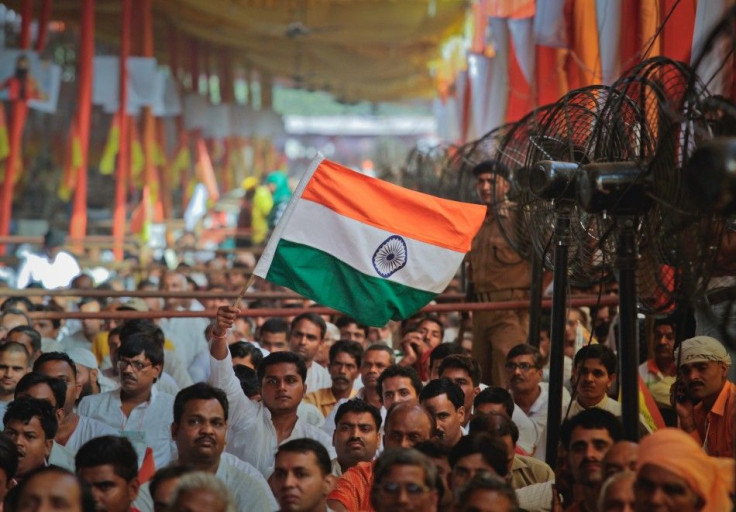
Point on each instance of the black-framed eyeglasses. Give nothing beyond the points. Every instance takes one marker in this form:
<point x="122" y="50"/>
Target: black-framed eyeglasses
<point x="137" y="366"/>
<point x="524" y="367"/>
<point x="394" y="488"/>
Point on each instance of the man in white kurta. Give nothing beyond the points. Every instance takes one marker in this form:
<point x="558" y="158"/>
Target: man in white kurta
<point x="137" y="410"/>
<point x="256" y="429"/>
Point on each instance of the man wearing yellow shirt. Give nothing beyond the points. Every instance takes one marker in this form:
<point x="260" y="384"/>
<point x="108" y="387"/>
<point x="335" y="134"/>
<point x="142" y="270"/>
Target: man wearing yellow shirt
<point x="345" y="359"/>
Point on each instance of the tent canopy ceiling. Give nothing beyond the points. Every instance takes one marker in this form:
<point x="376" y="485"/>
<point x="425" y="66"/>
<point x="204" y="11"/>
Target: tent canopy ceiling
<point x="356" y="49"/>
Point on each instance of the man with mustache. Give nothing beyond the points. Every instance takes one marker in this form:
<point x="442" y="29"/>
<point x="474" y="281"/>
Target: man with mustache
<point x="256" y="429"/>
<point x="306" y="337"/>
<point x="587" y="437"/>
<point x="444" y="400"/>
<point x="703" y="397"/>
<point x="137" y="409"/>
<point x="31" y="425"/>
<point x="345" y="359"/>
<point x="200" y="433"/>
<point x="356" y="434"/>
<point x="407" y="424"/>
<point x="659" y="372"/>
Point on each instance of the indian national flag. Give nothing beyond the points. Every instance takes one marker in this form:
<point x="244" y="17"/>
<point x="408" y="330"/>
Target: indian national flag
<point x="370" y="249"/>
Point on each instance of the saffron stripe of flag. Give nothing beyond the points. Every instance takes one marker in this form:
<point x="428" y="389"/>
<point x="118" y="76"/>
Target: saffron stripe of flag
<point x="365" y="247"/>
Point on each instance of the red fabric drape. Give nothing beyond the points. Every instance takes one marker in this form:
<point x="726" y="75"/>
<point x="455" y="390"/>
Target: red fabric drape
<point x="151" y="197"/>
<point x="19" y="112"/>
<point x="78" y="227"/>
<point x="43" y="25"/>
<point x="123" y="168"/>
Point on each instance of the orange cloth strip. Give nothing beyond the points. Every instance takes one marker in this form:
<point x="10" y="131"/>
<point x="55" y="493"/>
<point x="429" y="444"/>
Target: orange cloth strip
<point x="448" y="224"/>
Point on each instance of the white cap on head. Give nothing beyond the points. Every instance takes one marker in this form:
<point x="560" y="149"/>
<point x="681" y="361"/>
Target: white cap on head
<point x="84" y="357"/>
<point x="701" y="349"/>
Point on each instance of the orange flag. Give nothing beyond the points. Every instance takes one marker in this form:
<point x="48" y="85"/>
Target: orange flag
<point x="648" y="408"/>
<point x="205" y="171"/>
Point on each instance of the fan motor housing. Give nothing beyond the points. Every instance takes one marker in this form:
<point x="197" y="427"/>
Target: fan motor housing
<point x="554" y="180"/>
<point x="618" y="188"/>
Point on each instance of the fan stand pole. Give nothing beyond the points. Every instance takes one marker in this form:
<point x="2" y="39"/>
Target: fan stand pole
<point x="535" y="299"/>
<point x="557" y="333"/>
<point x="628" y="349"/>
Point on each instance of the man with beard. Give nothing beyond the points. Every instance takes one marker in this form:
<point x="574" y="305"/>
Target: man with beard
<point x="703" y="398"/>
<point x="301" y="479"/>
<point x="109" y="466"/>
<point x="31" y="425"/>
<point x="74" y="430"/>
<point x="345" y="359"/>
<point x="256" y="429"/>
<point x="587" y="437"/>
<point x="137" y="409"/>
<point x="356" y="435"/>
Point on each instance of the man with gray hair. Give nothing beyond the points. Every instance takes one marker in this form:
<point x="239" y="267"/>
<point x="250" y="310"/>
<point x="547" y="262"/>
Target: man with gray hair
<point x="703" y="398"/>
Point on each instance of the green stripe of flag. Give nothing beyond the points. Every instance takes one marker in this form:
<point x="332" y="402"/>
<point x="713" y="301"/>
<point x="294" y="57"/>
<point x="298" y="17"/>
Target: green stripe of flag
<point x="331" y="282"/>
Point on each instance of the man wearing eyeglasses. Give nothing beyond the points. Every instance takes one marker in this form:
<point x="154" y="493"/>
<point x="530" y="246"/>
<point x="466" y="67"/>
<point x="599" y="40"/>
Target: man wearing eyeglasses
<point x="137" y="410"/>
<point x="405" y="479"/>
<point x="524" y="381"/>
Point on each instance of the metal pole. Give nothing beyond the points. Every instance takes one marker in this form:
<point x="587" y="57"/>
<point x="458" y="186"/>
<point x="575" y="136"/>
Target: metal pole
<point x="535" y="299"/>
<point x="557" y="333"/>
<point x="628" y="332"/>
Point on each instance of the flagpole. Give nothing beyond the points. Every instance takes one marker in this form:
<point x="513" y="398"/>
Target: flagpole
<point x="239" y="299"/>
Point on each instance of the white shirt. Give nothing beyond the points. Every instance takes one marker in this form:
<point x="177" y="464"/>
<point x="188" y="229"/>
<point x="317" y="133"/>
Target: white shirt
<point x="3" y="407"/>
<point x="87" y="429"/>
<point x="251" y="434"/>
<point x="607" y="404"/>
<point x="538" y="414"/>
<point x="310" y="414"/>
<point x="61" y="456"/>
<point x="246" y="485"/>
<point x="76" y="340"/>
<point x="52" y="274"/>
<point x="528" y="433"/>
<point x="149" y="424"/>
<point x="187" y="335"/>
<point x="317" y="378"/>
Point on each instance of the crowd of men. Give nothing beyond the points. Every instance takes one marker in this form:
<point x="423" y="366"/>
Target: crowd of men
<point x="303" y="414"/>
